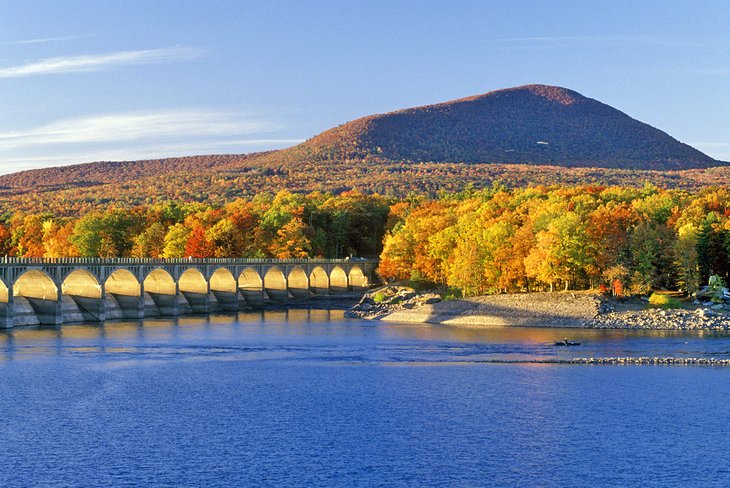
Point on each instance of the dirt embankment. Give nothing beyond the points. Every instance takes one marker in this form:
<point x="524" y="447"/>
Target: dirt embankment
<point x="560" y="309"/>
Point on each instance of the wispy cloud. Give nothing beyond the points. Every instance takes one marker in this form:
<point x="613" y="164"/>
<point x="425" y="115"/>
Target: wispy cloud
<point x="136" y="135"/>
<point x="44" y="40"/>
<point x="135" y="126"/>
<point x="99" y="62"/>
<point x="10" y="163"/>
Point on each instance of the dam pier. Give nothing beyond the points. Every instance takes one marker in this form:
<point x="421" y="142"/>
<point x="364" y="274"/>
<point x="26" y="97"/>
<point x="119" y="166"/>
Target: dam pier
<point x="53" y="291"/>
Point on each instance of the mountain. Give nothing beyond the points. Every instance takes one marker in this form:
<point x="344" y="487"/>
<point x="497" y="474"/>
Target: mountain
<point x="532" y="124"/>
<point x="528" y="135"/>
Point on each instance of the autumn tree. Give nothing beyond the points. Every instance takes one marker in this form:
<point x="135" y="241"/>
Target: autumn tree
<point x="560" y="252"/>
<point x="712" y="255"/>
<point x="291" y="241"/>
<point x="175" y="241"/>
<point x="607" y="231"/>
<point x="198" y="245"/>
<point x="6" y="242"/>
<point x="227" y="239"/>
<point x="56" y="239"/>
<point x="28" y="236"/>
<point x="686" y="256"/>
<point x="151" y="242"/>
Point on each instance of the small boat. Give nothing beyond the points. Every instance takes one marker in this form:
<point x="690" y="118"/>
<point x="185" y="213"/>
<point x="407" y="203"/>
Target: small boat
<point x="566" y="342"/>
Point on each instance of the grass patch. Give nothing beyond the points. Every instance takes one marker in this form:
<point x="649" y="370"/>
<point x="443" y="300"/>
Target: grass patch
<point x="664" y="301"/>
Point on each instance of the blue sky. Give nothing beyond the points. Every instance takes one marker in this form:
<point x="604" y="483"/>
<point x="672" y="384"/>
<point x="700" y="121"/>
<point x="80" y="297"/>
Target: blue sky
<point x="88" y="80"/>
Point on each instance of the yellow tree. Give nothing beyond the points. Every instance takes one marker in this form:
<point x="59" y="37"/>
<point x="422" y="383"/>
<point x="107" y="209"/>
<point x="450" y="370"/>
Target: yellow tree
<point x="227" y="238"/>
<point x="291" y="241"/>
<point x="56" y="241"/>
<point x="30" y="237"/>
<point x="560" y="252"/>
<point x="175" y="240"/>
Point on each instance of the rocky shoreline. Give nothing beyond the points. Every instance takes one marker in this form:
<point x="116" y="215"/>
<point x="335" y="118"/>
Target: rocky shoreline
<point x="559" y="309"/>
<point x="702" y="318"/>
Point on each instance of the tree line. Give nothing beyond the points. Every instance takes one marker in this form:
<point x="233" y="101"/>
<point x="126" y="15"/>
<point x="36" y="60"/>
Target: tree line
<point x="285" y="225"/>
<point x="490" y="240"/>
<point x="627" y="240"/>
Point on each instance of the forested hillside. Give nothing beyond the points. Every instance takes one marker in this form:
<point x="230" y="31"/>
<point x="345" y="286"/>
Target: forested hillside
<point x="386" y="178"/>
<point x="95" y="174"/>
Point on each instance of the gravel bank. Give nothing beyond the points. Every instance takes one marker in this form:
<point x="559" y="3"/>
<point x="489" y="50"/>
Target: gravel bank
<point x="560" y="309"/>
<point x="525" y="310"/>
<point x="701" y="318"/>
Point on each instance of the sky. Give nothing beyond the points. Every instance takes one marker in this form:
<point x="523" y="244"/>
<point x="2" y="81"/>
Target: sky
<point x="90" y="80"/>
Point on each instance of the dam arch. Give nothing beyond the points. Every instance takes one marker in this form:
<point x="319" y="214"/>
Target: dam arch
<point x="338" y="280"/>
<point x="6" y="314"/>
<point x="357" y="279"/>
<point x="319" y="282"/>
<point x="251" y="286"/>
<point x="84" y="289"/>
<point x="275" y="284"/>
<point x="194" y="287"/>
<point x="40" y="294"/>
<point x="298" y="282"/>
<point x="224" y="288"/>
<point x="162" y="291"/>
<point x="123" y="295"/>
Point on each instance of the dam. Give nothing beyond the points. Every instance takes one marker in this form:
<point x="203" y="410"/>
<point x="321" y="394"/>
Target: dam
<point x="53" y="291"/>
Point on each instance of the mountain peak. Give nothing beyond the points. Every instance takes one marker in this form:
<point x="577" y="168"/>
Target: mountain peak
<point x="531" y="124"/>
<point x="557" y="94"/>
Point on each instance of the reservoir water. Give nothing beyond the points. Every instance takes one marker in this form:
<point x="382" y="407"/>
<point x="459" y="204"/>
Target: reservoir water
<point x="309" y="398"/>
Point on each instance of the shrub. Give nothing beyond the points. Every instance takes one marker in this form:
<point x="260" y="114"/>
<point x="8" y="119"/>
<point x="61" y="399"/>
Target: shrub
<point x="716" y="287"/>
<point x="379" y="297"/>
<point x="664" y="301"/>
<point x="452" y="293"/>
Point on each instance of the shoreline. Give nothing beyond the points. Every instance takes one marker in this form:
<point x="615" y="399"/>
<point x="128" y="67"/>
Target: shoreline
<point x="580" y="310"/>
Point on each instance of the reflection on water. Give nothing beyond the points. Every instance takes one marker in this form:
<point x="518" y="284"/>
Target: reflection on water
<point x="325" y="335"/>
